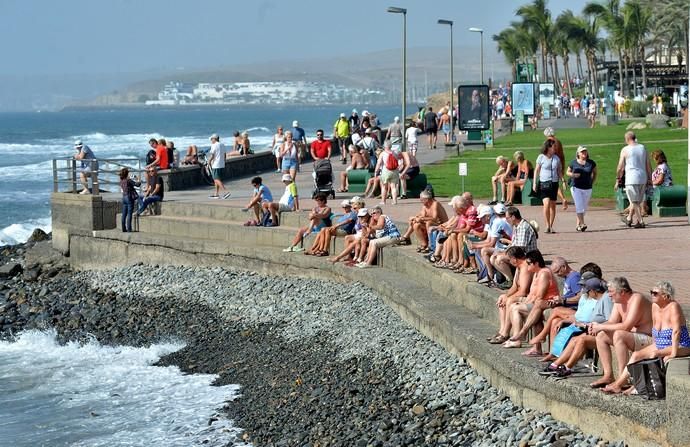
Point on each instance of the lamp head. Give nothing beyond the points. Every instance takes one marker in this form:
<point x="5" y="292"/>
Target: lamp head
<point x="476" y="30"/>
<point x="445" y="22"/>
<point x="396" y="10"/>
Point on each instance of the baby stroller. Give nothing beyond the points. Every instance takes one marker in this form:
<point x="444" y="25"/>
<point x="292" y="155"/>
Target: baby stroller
<point x="323" y="178"/>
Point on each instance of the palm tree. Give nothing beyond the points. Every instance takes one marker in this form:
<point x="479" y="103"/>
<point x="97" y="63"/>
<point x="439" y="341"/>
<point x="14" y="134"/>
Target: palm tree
<point x="638" y="20"/>
<point x="508" y="45"/>
<point x="584" y="34"/>
<point x="669" y="27"/>
<point x="610" y="16"/>
<point x="537" y="17"/>
<point x="566" y="37"/>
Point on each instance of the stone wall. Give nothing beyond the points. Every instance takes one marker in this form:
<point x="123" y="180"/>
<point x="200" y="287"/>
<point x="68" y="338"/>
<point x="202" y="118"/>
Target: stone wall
<point x="77" y="213"/>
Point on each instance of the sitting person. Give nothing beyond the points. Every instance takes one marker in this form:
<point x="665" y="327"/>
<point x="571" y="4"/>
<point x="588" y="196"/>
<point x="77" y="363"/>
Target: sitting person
<point x="408" y="171"/>
<point x="432" y="213"/>
<point x="319" y="217"/>
<point x="524" y="171"/>
<point x="518" y="290"/>
<point x="385" y="234"/>
<point x="289" y="201"/>
<point x="343" y="225"/>
<point x="444" y="230"/>
<point x="358" y="162"/>
<point x="261" y="199"/>
<point x="353" y="252"/>
<point x="524" y="235"/>
<point x="373" y="185"/>
<point x="153" y="192"/>
<point x="543" y="294"/>
<point x="498" y="230"/>
<point x="498" y="178"/>
<point x="192" y="156"/>
<point x="669" y="331"/>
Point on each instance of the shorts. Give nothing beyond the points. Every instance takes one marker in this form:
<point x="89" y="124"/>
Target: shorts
<point x="547" y="191"/>
<point x="217" y="173"/>
<point x="642" y="340"/>
<point x="635" y="193"/>
<point x="390" y="176"/>
<point x="283" y="208"/>
<point x="412" y="172"/>
<point x="341" y="232"/>
<point x="288" y="163"/>
<point x="384" y="241"/>
<point x="411" y="146"/>
<point x="432" y="130"/>
<point x="276" y="150"/>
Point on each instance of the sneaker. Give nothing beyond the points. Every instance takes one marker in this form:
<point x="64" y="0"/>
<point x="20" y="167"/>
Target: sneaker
<point x="226" y="195"/>
<point x="505" y="285"/>
<point x="639" y="225"/>
<point x="297" y="249"/>
<point x="492" y="203"/>
<point x="85" y="191"/>
<point x="278" y="171"/>
<point x="563" y="371"/>
<point x="362" y="265"/>
<point x="213" y="196"/>
<point x="484" y="280"/>
<point x="289" y="249"/>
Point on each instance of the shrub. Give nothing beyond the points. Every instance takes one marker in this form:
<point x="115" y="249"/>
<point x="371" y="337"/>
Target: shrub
<point x="640" y="108"/>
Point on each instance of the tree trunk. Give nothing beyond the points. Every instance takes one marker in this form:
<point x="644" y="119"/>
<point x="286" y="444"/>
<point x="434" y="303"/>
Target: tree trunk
<point x="514" y="70"/>
<point x="553" y="75"/>
<point x="621" y="79"/>
<point x="535" y="62"/>
<point x="545" y="71"/>
<point x="578" y="62"/>
<point x="591" y="62"/>
<point x="644" y="71"/>
<point x="566" y="73"/>
<point x="634" y="74"/>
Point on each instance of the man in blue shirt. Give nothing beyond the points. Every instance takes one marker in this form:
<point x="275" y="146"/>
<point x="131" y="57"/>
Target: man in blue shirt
<point x="571" y="278"/>
<point x="300" y="139"/>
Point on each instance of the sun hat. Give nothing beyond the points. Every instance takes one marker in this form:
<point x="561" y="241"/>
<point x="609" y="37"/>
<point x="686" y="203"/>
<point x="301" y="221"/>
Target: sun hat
<point x="345" y="203"/>
<point x="354" y="110"/>
<point x="287" y="178"/>
<point x="295" y="123"/>
<point x="594" y="284"/>
<point x="362" y="212"/>
<point x="214" y="137"/>
<point x="586" y="276"/>
<point x="499" y="208"/>
<point x="78" y="143"/>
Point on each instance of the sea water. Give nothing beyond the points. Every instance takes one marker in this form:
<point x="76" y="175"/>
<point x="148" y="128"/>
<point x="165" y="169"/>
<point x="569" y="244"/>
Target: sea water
<point x="93" y="395"/>
<point x="29" y="141"/>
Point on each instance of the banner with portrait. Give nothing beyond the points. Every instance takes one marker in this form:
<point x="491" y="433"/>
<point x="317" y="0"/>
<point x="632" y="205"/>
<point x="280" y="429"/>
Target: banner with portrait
<point x="546" y="94"/>
<point x="473" y="107"/>
<point x="523" y="98"/>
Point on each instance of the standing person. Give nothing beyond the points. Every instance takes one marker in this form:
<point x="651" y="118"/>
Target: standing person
<point x="277" y="143"/>
<point x="388" y="164"/>
<point x="583" y="173"/>
<point x="411" y="136"/>
<point x="320" y="148"/>
<point x="408" y="171"/>
<point x="217" y="162"/>
<point x="85" y="155"/>
<point x="431" y="127"/>
<point x="395" y="134"/>
<point x="370" y="144"/>
<point x="341" y="131"/>
<point x="592" y="115"/>
<point x="300" y="139"/>
<point x="444" y="124"/>
<point x="548" y="173"/>
<point x="550" y="134"/>
<point x="354" y="121"/>
<point x="288" y="153"/>
<point x="634" y="164"/>
<point x="129" y="199"/>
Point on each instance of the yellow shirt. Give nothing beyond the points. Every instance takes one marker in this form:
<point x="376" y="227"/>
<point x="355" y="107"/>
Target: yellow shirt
<point x="341" y="128"/>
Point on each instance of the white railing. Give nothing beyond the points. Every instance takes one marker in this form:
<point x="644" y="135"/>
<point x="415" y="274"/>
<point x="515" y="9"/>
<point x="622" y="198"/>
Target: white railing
<point x="103" y="172"/>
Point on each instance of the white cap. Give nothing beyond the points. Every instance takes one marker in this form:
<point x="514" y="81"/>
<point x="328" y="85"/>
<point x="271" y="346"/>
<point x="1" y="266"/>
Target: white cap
<point x="365" y="113"/>
<point x="484" y="210"/>
<point x="345" y="203"/>
<point x="287" y="178"/>
<point x="396" y="119"/>
<point x="214" y="137"/>
<point x="581" y="149"/>
<point x="499" y="208"/>
<point x="354" y="110"/>
<point x="362" y="212"/>
<point x="342" y="115"/>
<point x="78" y="143"/>
<point x="295" y="123"/>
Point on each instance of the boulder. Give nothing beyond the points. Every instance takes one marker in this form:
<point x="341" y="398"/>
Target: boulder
<point x="38" y="235"/>
<point x="636" y="125"/>
<point x="657" y="121"/>
<point x="10" y="270"/>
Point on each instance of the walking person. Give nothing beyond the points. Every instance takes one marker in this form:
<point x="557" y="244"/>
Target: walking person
<point x="217" y="162"/>
<point x="550" y="134"/>
<point x="277" y="143"/>
<point x="387" y="164"/>
<point x="431" y="127"/>
<point x="583" y="173"/>
<point x="129" y="199"/>
<point x="634" y="164"/>
<point x="548" y="174"/>
<point x="288" y="154"/>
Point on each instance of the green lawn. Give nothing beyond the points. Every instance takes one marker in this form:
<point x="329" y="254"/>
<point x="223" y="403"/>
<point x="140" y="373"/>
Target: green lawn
<point x="604" y="144"/>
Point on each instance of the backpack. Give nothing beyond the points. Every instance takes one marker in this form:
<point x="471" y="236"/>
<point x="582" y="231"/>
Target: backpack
<point x="150" y="156"/>
<point x="391" y="162"/>
<point x="266" y="220"/>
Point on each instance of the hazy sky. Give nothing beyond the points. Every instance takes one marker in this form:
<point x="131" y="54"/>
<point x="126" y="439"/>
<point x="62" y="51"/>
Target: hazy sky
<point x="48" y="37"/>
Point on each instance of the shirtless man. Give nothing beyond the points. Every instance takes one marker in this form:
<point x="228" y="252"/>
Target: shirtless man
<point x="628" y="329"/>
<point x="357" y="162"/>
<point x="432" y="213"/>
<point x="519" y="289"/>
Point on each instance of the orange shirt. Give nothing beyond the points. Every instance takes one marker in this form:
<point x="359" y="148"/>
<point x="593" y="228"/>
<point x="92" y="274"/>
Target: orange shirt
<point x="162" y="154"/>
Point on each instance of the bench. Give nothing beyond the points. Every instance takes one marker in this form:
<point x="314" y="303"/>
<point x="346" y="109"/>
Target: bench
<point x="622" y="200"/>
<point x="524" y="198"/>
<point x="357" y="180"/>
<point x="416" y="185"/>
<point x="669" y="201"/>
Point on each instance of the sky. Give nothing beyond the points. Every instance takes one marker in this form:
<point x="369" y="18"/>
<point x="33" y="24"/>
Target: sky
<point x="67" y="37"/>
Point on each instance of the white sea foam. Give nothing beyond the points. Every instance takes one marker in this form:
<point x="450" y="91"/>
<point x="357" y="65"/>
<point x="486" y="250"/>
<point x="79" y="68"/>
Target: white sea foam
<point x="18" y="233"/>
<point x="91" y="395"/>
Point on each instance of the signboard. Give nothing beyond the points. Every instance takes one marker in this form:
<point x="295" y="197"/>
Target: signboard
<point x="473" y="107"/>
<point x="519" y="121"/>
<point x="523" y="98"/>
<point x="462" y="169"/>
<point x="546" y="94"/>
<point x="525" y="72"/>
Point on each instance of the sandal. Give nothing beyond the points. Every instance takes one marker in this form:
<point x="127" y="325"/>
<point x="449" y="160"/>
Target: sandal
<point x="498" y="340"/>
<point x="471" y="271"/>
<point x="512" y="344"/>
<point x="425" y="250"/>
<point x="441" y="264"/>
<point x="404" y="241"/>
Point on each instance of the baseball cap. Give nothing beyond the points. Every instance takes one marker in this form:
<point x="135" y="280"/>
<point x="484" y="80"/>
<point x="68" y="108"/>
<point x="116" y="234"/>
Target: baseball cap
<point x="586" y="276"/>
<point x="484" y="211"/>
<point x="295" y="123"/>
<point x="362" y="212"/>
<point x="499" y="208"/>
<point x="214" y="137"/>
<point x="342" y="115"/>
<point x="354" y="110"/>
<point x="287" y="178"/>
<point x="345" y="203"/>
<point x="78" y="143"/>
<point x="581" y="149"/>
<point x="594" y="284"/>
<point x="365" y="113"/>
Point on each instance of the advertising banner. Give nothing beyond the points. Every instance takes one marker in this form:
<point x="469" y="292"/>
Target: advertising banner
<point x="473" y="107"/>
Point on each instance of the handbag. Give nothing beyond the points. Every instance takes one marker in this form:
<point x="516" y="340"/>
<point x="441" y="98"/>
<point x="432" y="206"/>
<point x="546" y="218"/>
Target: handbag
<point x="649" y="378"/>
<point x="560" y="341"/>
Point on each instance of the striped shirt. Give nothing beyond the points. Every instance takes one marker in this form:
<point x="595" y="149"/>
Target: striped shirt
<point x="524" y="236"/>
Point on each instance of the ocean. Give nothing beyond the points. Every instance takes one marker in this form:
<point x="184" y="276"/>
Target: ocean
<point x="29" y="141"/>
<point x="92" y="395"/>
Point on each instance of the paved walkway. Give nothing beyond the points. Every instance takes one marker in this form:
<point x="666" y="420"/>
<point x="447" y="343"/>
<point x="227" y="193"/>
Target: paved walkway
<point x="644" y="256"/>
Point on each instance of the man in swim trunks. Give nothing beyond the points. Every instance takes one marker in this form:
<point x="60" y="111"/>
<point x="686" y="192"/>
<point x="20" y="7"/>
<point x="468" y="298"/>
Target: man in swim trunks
<point x="431" y="126"/>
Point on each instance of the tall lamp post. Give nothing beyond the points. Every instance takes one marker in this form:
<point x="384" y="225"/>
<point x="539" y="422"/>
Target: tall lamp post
<point x="450" y="24"/>
<point x="481" y="50"/>
<point x="403" y="11"/>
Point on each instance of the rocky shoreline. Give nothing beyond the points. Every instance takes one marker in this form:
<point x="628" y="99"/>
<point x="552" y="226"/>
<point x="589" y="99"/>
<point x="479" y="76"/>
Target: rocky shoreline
<point x="320" y="363"/>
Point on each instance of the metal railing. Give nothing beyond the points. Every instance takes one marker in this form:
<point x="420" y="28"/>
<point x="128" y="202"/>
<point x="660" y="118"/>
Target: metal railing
<point x="101" y="172"/>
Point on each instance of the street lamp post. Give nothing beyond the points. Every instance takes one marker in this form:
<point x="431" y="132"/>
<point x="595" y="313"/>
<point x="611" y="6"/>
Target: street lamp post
<point x="481" y="50"/>
<point x="450" y="24"/>
<point x="403" y="11"/>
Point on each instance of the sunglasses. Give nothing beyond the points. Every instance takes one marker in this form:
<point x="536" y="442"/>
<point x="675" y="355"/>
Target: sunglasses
<point x="529" y="262"/>
<point x="654" y="292"/>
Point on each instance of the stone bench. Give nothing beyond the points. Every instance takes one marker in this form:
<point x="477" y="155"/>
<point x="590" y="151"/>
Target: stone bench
<point x="357" y="180"/>
<point x="669" y="201"/>
<point x="622" y="201"/>
<point x="523" y="196"/>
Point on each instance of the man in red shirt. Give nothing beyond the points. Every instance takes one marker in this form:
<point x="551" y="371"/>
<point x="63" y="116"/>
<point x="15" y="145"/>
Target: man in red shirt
<point x="161" y="161"/>
<point x="320" y="148"/>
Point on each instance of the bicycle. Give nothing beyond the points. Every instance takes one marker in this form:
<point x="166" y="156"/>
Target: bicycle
<point x="206" y="173"/>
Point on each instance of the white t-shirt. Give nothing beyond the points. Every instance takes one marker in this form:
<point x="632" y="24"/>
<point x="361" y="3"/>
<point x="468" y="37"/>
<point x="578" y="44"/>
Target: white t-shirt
<point x="356" y="139"/>
<point x="218" y="153"/>
<point x="411" y="134"/>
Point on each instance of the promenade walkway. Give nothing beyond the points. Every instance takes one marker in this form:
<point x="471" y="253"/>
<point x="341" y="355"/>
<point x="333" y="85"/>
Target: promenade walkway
<point x="644" y="256"/>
